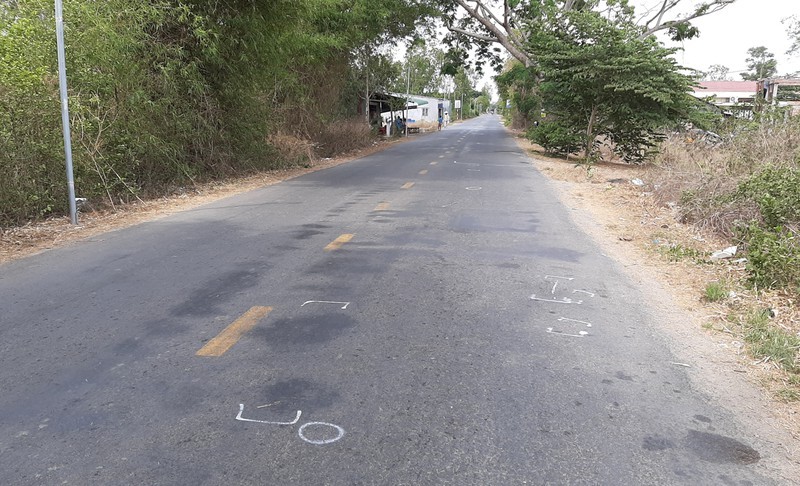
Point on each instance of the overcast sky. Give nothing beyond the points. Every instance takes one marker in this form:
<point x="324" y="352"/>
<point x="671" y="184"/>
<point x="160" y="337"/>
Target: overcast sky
<point x="726" y="35"/>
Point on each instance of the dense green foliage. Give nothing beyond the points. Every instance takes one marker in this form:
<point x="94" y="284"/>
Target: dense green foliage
<point x="520" y="85"/>
<point x="603" y="83"/>
<point x="165" y="92"/>
<point x="773" y="248"/>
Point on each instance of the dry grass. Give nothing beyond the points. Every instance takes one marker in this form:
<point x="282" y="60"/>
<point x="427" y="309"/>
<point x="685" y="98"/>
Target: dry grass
<point x="700" y="180"/>
<point x="344" y="136"/>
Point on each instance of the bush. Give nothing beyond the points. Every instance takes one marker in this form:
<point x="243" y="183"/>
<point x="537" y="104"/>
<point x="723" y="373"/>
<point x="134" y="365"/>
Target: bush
<point x="773" y="256"/>
<point x="556" y="138"/>
<point x="776" y="192"/>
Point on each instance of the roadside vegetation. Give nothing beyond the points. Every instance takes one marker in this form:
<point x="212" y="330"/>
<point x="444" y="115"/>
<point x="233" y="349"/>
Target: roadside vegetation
<point x="165" y="94"/>
<point x="746" y="191"/>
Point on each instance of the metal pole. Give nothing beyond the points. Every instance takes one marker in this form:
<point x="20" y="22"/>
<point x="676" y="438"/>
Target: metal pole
<point x="408" y="92"/>
<point x="62" y="82"/>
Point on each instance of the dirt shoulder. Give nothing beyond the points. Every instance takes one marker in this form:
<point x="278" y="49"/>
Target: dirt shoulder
<point x="656" y="252"/>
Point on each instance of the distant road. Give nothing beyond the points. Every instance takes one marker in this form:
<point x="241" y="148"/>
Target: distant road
<point x="426" y="315"/>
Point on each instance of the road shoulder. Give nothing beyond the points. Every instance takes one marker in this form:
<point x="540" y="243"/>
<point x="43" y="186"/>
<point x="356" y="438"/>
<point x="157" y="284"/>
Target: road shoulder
<point x="627" y="225"/>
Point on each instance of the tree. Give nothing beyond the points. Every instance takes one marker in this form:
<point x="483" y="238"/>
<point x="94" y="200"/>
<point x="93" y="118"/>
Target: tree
<point x="422" y="69"/>
<point x="761" y="64"/>
<point x="487" y="22"/>
<point x="520" y="85"/>
<point x="168" y="92"/>
<point x="603" y="81"/>
<point x="717" y="72"/>
<point x="793" y="31"/>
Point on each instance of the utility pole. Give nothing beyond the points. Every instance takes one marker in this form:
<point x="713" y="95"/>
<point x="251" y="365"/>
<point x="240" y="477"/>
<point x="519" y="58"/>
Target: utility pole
<point x="408" y="94"/>
<point x="366" y="91"/>
<point x="62" y="83"/>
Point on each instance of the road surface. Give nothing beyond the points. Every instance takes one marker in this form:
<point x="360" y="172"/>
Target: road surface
<point x="424" y="315"/>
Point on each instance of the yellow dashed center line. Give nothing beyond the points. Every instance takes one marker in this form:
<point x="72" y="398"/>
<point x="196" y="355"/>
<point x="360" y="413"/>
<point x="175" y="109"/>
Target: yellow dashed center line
<point x="407" y="185"/>
<point x="338" y="242"/>
<point x="423" y="172"/>
<point x="382" y="206"/>
<point x="231" y="334"/>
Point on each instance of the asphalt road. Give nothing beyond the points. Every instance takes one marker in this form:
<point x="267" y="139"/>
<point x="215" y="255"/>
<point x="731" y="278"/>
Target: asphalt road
<point x="425" y="315"/>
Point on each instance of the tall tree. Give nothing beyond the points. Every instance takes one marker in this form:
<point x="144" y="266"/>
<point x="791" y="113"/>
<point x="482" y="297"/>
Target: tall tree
<point x="761" y="64"/>
<point x="603" y="81"/>
<point x="487" y="22"/>
<point x="717" y="72"/>
<point x="793" y="31"/>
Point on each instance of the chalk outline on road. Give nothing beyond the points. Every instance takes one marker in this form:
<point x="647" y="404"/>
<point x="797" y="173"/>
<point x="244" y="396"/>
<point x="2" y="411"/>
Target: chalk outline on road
<point x="241" y="410"/>
<point x="580" y="334"/>
<point x="325" y="302"/>
<point x="339" y="431"/>
<point x="324" y="441"/>
<point x="564" y="300"/>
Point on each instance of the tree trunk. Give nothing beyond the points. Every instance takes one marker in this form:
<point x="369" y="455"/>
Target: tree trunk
<point x="590" y="134"/>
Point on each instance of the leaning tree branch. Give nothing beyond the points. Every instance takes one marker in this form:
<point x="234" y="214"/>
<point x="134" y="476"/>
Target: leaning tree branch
<point x="497" y="34"/>
<point x="474" y="35"/>
<point x="701" y="11"/>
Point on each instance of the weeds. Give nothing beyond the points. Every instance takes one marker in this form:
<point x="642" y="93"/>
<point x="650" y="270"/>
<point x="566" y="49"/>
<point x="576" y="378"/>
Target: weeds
<point x="771" y="343"/>
<point x="676" y="252"/>
<point x="748" y="189"/>
<point x="773" y="256"/>
<point x="715" y="292"/>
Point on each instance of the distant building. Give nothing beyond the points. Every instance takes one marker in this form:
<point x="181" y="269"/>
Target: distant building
<point x="422" y="112"/>
<point x="734" y="98"/>
<point x="781" y="92"/>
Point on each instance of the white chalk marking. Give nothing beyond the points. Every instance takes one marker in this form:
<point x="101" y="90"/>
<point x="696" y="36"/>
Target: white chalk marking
<point x="241" y="409"/>
<point x="556" y="276"/>
<point x="579" y="335"/>
<point x="562" y="319"/>
<point x="554" y="288"/>
<point x="474" y="188"/>
<point x="564" y="300"/>
<point x="326" y="302"/>
<point x="584" y="292"/>
<point x="339" y="433"/>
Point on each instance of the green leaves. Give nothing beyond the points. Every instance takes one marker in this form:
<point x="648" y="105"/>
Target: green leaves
<point x="761" y="63"/>
<point x="602" y="80"/>
<point x="165" y="92"/>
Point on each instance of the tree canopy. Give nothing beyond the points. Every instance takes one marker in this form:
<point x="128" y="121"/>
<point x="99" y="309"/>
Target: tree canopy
<point x="601" y="81"/>
<point x="760" y="64"/>
<point x="166" y="92"/>
<point x="483" y="23"/>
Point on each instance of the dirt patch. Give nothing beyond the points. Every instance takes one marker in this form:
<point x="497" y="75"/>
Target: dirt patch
<point x="22" y="241"/>
<point x="668" y="260"/>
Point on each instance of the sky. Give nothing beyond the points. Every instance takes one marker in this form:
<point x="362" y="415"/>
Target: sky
<point x="726" y="35"/>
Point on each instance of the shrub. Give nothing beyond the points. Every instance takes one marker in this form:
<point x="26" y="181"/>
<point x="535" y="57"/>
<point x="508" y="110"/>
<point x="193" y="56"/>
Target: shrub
<point x="773" y="256"/>
<point x="776" y="193"/>
<point x="556" y="138"/>
<point x="767" y="341"/>
<point x="715" y="292"/>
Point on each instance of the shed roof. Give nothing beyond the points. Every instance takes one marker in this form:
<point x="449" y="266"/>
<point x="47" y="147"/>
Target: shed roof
<point x="726" y="87"/>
